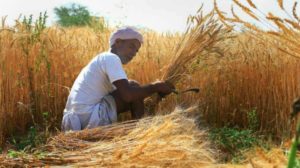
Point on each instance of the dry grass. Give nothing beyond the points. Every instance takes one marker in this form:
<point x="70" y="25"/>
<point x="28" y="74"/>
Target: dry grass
<point x="265" y="81"/>
<point x="173" y="140"/>
<point x="36" y="77"/>
<point x="203" y="38"/>
<point x="163" y="141"/>
<point x="271" y="72"/>
<point x="287" y="29"/>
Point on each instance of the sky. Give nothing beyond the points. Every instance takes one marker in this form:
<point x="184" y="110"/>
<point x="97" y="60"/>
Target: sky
<point x="159" y="15"/>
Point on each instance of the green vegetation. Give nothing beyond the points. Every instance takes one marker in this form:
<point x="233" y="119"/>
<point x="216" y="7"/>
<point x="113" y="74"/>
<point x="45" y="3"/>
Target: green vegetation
<point x="34" y="138"/>
<point x="75" y="15"/>
<point x="293" y="161"/>
<point x="13" y="153"/>
<point x="78" y="15"/>
<point x="233" y="141"/>
<point x="253" y="122"/>
<point x="23" y="154"/>
<point x="29" y="141"/>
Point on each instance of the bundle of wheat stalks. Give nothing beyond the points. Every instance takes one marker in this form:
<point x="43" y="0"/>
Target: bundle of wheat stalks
<point x="164" y="141"/>
<point x="202" y="38"/>
<point x="173" y="140"/>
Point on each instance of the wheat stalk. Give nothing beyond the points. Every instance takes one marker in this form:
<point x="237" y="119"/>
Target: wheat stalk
<point x="236" y="17"/>
<point x="245" y="9"/>
<point x="295" y="12"/>
<point x="289" y="42"/>
<point x="251" y="4"/>
<point x="222" y="18"/>
<point x="273" y="18"/>
<point x="203" y="36"/>
<point x="251" y="27"/>
<point x="294" y="24"/>
<point x="280" y="3"/>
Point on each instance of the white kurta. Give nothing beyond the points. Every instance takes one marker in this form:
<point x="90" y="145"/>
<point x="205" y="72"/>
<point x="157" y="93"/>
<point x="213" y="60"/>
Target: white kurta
<point x="89" y="104"/>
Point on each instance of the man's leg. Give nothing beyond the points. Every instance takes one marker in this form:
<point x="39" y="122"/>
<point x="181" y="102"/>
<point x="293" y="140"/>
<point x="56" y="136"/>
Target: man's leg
<point x="136" y="107"/>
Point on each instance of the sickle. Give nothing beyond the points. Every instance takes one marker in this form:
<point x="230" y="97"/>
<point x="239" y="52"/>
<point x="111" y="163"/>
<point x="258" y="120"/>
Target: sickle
<point x="195" y="90"/>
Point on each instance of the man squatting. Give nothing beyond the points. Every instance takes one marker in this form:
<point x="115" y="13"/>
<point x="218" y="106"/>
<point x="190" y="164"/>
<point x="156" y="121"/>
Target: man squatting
<point x="102" y="89"/>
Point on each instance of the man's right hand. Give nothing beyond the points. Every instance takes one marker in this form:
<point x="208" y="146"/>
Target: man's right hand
<point x="164" y="88"/>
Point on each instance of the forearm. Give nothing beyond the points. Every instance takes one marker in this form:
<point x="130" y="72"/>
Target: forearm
<point x="130" y="92"/>
<point x="141" y="92"/>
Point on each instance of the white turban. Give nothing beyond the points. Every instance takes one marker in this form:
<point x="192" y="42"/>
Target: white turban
<point x="125" y="34"/>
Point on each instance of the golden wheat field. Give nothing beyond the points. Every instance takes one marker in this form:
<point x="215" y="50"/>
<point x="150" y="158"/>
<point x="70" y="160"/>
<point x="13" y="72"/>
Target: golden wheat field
<point x="248" y="78"/>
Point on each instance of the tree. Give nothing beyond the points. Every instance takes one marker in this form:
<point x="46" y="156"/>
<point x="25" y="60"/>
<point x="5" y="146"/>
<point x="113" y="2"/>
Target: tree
<point x="75" y="15"/>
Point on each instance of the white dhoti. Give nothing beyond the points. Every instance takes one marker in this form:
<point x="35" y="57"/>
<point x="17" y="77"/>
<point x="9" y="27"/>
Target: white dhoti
<point x="103" y="113"/>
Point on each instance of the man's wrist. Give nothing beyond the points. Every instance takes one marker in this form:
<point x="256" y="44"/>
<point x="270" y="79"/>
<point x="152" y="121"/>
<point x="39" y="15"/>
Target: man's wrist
<point x="154" y="87"/>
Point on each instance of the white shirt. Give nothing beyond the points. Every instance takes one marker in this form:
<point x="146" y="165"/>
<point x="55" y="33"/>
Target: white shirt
<point x="93" y="83"/>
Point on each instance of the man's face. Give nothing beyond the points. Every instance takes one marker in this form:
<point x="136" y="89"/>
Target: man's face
<point x="127" y="49"/>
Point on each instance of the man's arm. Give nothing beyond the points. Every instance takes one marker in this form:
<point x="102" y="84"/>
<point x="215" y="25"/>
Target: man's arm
<point x="131" y="93"/>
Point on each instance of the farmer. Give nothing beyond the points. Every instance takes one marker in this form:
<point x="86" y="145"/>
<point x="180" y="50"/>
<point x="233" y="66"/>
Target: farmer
<point x="102" y="89"/>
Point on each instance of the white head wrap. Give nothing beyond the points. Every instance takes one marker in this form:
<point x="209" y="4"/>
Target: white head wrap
<point x="125" y="34"/>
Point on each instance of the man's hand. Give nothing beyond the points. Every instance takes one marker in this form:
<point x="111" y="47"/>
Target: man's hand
<point x="164" y="88"/>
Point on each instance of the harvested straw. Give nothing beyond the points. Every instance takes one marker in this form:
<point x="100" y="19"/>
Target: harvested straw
<point x="163" y="141"/>
<point x="172" y="140"/>
<point x="273" y="158"/>
<point x="261" y="159"/>
<point x="202" y="37"/>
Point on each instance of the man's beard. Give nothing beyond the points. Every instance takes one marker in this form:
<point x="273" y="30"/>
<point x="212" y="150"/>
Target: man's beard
<point x="124" y="59"/>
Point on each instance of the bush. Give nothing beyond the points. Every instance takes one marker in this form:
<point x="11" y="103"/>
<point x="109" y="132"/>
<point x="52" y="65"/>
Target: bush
<point x="233" y="141"/>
